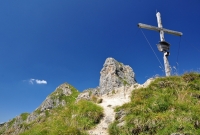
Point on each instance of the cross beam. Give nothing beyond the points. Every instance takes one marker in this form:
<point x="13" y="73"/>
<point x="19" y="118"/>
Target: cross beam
<point x="162" y="31"/>
<point x="149" y="27"/>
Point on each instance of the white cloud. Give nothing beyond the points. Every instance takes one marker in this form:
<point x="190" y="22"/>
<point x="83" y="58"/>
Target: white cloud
<point x="37" y="81"/>
<point x="41" y="81"/>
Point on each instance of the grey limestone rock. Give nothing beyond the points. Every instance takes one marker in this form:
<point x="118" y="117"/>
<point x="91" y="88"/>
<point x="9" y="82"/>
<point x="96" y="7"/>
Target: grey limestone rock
<point x="65" y="89"/>
<point x="13" y="125"/>
<point x="32" y="117"/>
<point x="119" y="116"/>
<point x="83" y="95"/>
<point x="47" y="104"/>
<point x="87" y="94"/>
<point x="114" y="75"/>
<point x="18" y="120"/>
<point x="16" y="125"/>
<point x="52" y="101"/>
<point x="108" y="119"/>
<point x="121" y="124"/>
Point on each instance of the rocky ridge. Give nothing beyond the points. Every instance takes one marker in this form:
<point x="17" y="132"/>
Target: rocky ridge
<point x="55" y="99"/>
<point x="52" y="101"/>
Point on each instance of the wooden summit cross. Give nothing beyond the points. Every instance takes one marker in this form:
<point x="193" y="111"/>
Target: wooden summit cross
<point x="163" y="46"/>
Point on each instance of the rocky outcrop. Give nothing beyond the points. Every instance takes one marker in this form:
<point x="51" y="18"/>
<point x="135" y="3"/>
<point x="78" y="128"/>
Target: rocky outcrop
<point x="114" y="75"/>
<point x="88" y="93"/>
<point x="91" y="94"/>
<point x="14" y="126"/>
<point x="33" y="116"/>
<point x="55" y="99"/>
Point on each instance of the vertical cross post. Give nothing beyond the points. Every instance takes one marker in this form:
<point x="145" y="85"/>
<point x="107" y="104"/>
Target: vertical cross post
<point x="166" y="54"/>
<point x="164" y="46"/>
<point x="160" y="26"/>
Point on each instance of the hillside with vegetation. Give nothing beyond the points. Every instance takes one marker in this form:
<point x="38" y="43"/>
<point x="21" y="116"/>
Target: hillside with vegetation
<point x="168" y="106"/>
<point x="69" y="118"/>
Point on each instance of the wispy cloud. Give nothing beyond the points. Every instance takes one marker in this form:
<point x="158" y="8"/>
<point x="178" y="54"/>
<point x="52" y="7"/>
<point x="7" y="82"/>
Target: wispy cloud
<point x="37" y="81"/>
<point x="31" y="81"/>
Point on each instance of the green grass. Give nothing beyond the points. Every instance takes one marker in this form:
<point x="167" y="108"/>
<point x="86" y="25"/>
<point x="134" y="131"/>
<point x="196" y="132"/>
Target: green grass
<point x="72" y="119"/>
<point x="24" y="116"/>
<point x="58" y="94"/>
<point x="168" y="105"/>
<point x="10" y="123"/>
<point x="2" y="130"/>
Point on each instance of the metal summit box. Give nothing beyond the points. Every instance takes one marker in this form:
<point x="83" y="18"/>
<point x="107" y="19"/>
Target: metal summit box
<point x="163" y="46"/>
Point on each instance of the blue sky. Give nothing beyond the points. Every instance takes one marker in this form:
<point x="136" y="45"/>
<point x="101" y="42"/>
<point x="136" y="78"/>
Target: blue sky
<point x="57" y="41"/>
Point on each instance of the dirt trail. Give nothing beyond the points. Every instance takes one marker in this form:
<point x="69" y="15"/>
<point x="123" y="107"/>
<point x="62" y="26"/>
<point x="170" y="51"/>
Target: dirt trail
<point x="110" y="101"/>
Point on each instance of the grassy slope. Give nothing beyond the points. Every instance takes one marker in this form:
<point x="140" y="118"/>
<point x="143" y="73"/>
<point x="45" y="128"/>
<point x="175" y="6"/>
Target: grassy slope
<point x="168" y="105"/>
<point x="72" y="119"/>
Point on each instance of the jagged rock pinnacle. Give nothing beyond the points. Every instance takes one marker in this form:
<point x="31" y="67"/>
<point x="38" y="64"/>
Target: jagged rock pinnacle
<point x="114" y="75"/>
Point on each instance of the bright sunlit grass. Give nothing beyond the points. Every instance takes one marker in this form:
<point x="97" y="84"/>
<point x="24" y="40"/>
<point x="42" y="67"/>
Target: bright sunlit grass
<point x="168" y="105"/>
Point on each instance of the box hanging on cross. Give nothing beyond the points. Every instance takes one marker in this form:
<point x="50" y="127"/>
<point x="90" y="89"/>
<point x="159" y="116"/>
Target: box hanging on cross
<point x="163" y="46"/>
